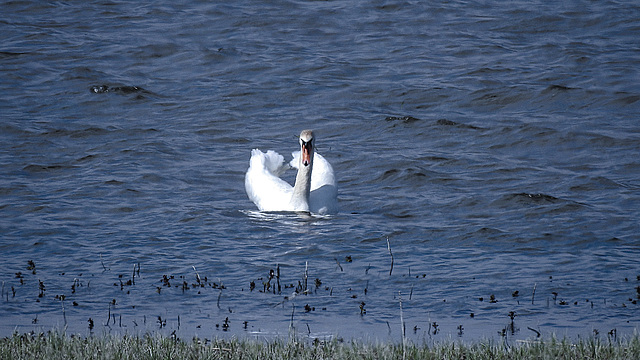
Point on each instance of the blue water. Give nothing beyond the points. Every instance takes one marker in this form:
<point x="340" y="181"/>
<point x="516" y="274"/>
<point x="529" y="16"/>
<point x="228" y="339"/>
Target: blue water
<point x="495" y="146"/>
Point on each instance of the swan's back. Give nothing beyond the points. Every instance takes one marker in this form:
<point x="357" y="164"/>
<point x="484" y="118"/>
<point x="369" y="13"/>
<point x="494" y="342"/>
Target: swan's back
<point x="263" y="184"/>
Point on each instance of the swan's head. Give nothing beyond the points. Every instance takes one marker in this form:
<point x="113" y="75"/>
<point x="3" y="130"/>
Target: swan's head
<point x="306" y="147"/>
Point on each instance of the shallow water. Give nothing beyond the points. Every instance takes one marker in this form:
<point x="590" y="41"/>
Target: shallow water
<point x="495" y="147"/>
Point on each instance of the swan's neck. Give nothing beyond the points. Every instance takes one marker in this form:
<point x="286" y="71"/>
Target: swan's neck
<point x="302" y="188"/>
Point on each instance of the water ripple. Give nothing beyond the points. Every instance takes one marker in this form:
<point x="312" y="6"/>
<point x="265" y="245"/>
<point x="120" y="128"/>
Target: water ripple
<point x="494" y="147"/>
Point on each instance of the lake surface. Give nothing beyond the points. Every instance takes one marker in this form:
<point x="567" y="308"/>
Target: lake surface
<point x="487" y="157"/>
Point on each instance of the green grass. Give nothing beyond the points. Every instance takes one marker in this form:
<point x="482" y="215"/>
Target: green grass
<point x="55" y="345"/>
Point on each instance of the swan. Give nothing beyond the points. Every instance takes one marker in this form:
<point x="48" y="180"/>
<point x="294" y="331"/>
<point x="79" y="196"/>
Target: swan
<point x="315" y="189"/>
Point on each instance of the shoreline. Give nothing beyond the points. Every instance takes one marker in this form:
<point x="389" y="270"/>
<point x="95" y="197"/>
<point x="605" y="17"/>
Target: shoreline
<point x="57" y="345"/>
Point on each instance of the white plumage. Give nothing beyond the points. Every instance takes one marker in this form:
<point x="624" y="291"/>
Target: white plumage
<point x="315" y="189"/>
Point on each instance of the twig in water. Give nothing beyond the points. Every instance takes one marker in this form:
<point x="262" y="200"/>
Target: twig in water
<point x="534" y="330"/>
<point x="293" y="309"/>
<point x="102" y="262"/>
<point x="389" y="247"/>
<point x="278" y="277"/>
<point x="404" y="337"/>
<point x="133" y="276"/>
<point x="534" y="292"/>
<point x="306" y="275"/>
<point x="338" y="262"/>
<point x="197" y="275"/>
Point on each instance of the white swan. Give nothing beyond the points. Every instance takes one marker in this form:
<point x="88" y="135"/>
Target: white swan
<point x="315" y="189"/>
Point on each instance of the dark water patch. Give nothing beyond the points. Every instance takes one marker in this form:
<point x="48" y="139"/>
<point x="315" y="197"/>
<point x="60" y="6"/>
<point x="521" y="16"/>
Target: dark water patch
<point x="484" y="71"/>
<point x="56" y="132"/>
<point x="403" y="176"/>
<point x="489" y="233"/>
<point x="88" y="132"/>
<point x="77" y="133"/>
<point x="508" y="96"/>
<point x="153" y="178"/>
<point x="625" y="99"/>
<point x="569" y="98"/>
<point x="403" y="119"/>
<point x="153" y="51"/>
<point x="237" y="140"/>
<point x="400" y="214"/>
<point x="11" y="54"/>
<point x="124" y="210"/>
<point x="597" y="183"/>
<point x="114" y="182"/>
<point x="36" y="168"/>
<point x="439" y="122"/>
<point x="141" y="93"/>
<point x="87" y="158"/>
<point x="526" y="136"/>
<point x="557" y="88"/>
<point x="9" y="129"/>
<point x="83" y="73"/>
<point x="436" y="160"/>
<point x="36" y="208"/>
<point x="614" y="240"/>
<point x="130" y="191"/>
<point x="564" y="208"/>
<point x="446" y="122"/>
<point x="601" y="140"/>
<point x="529" y="198"/>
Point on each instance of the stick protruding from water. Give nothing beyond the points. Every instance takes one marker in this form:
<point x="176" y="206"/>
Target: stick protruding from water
<point x="403" y="328"/>
<point x="390" y="253"/>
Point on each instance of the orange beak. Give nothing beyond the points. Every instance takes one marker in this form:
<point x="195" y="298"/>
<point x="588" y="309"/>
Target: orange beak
<point x="306" y="153"/>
